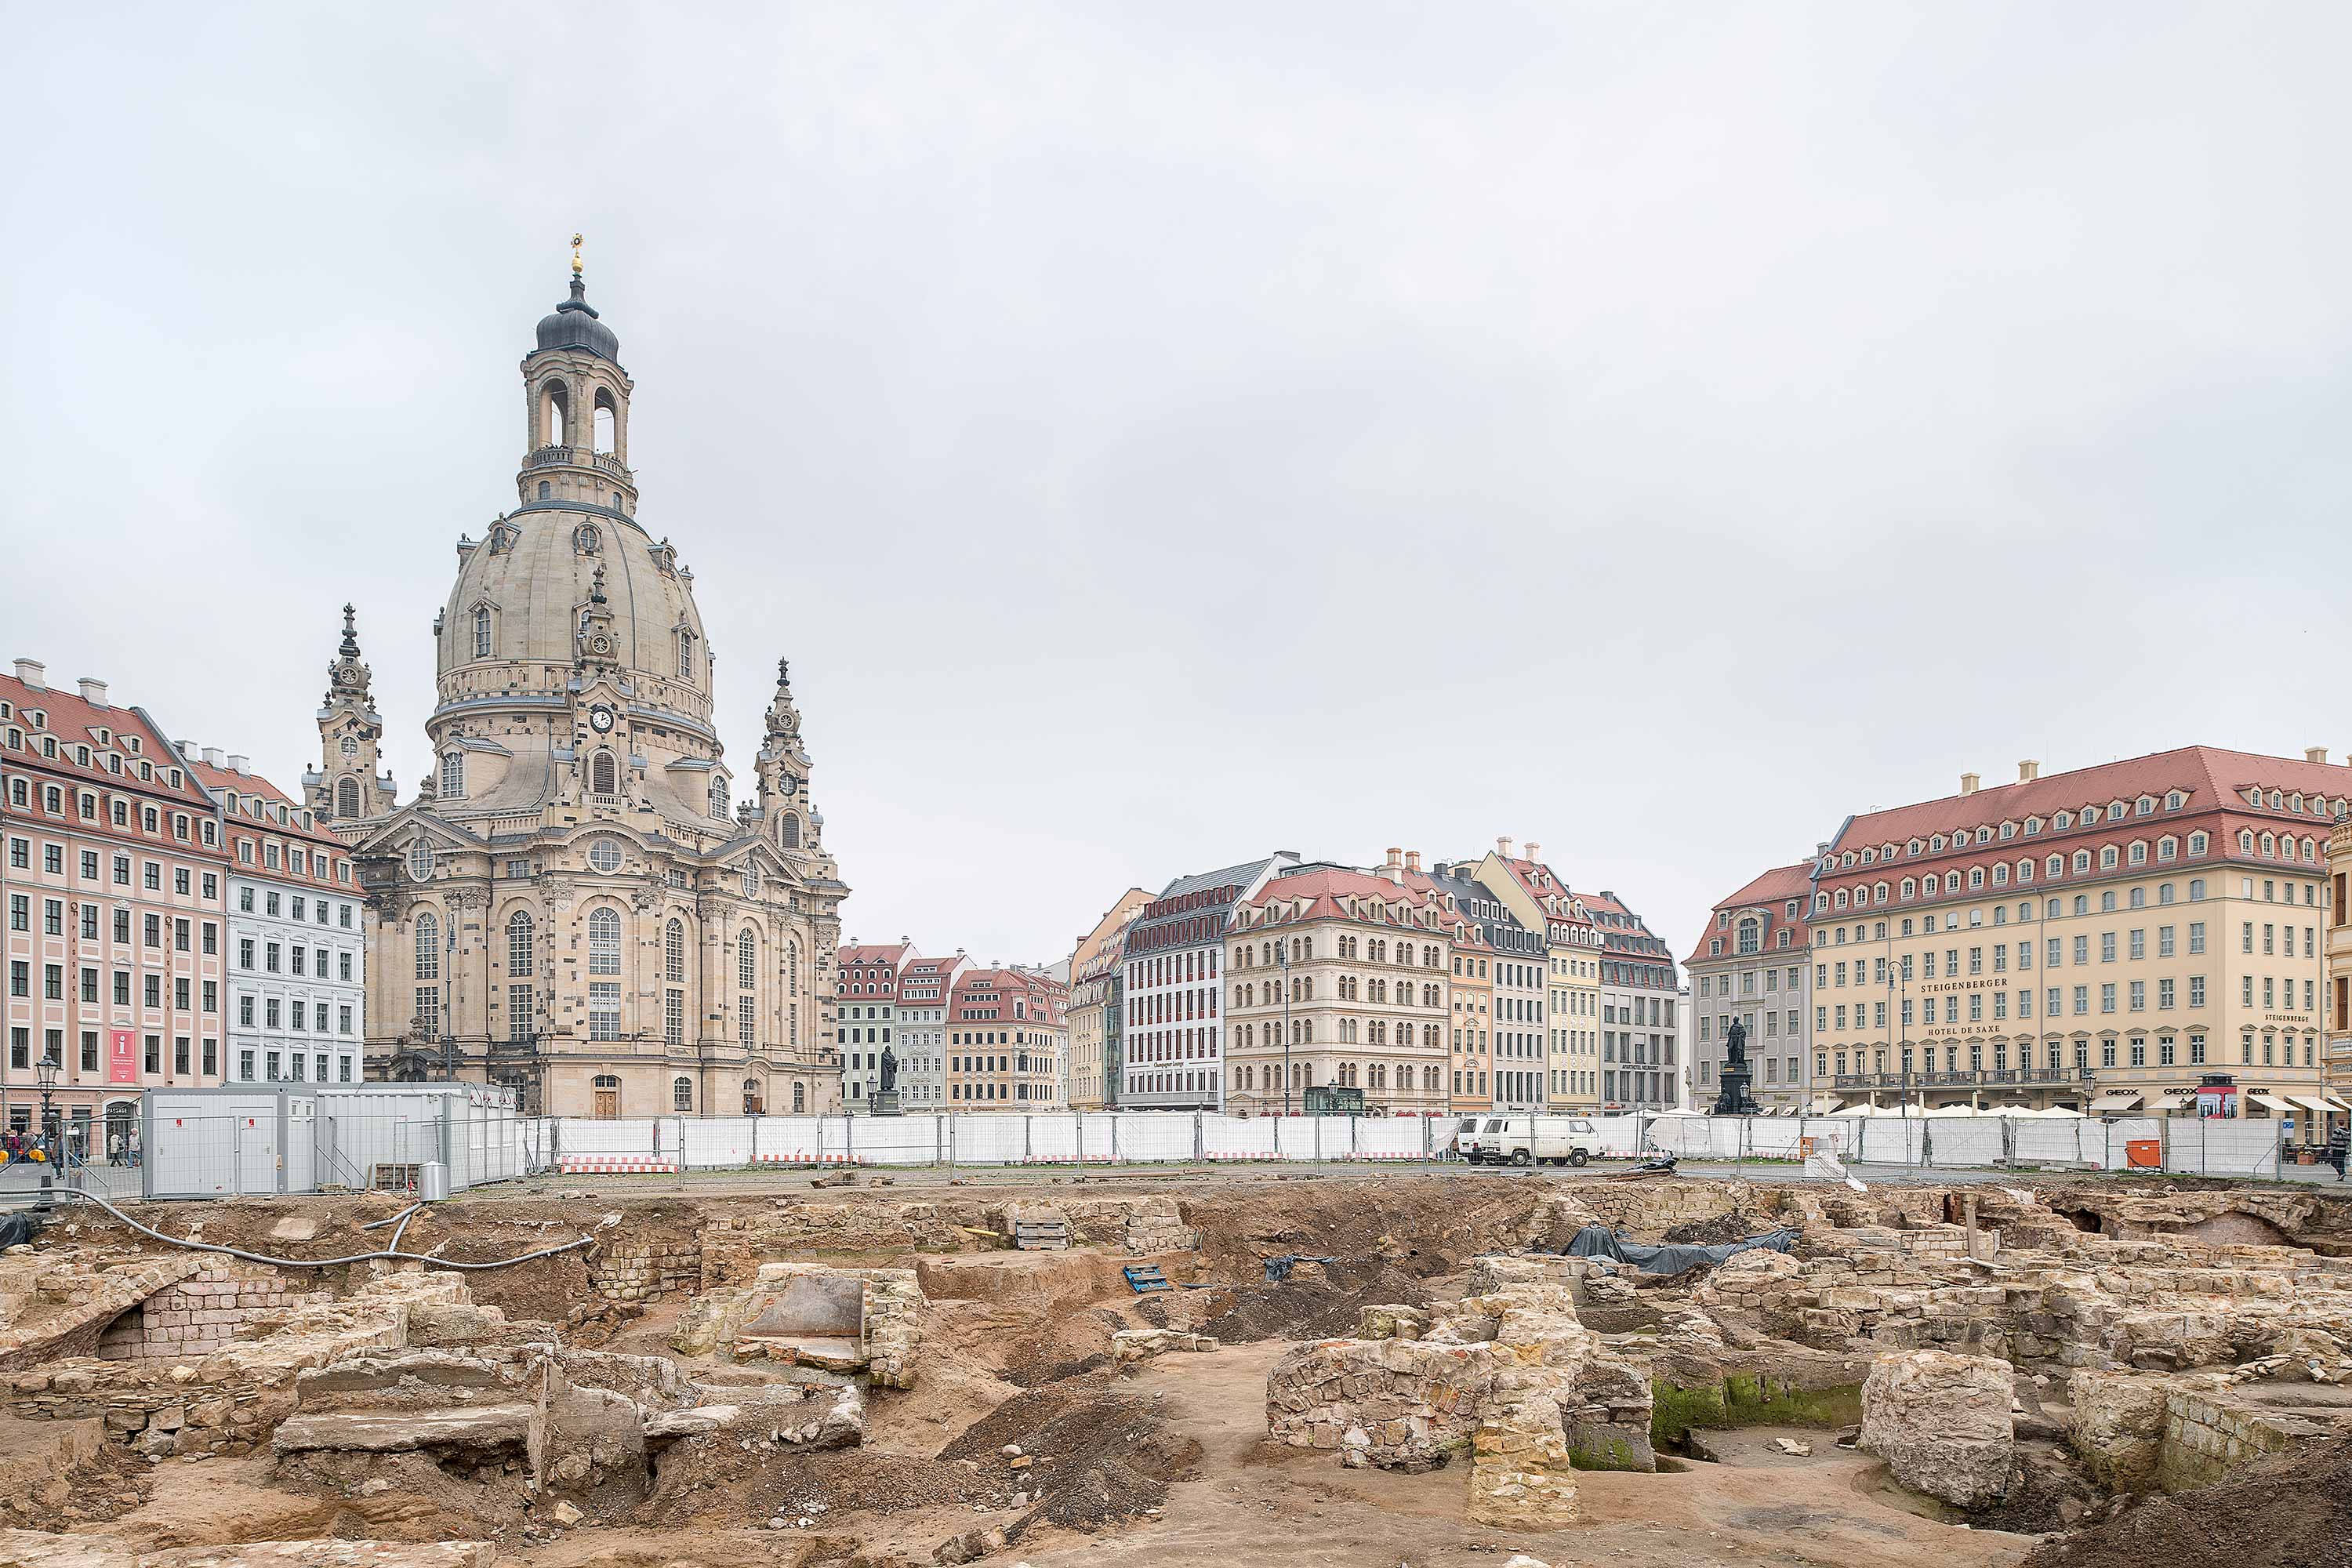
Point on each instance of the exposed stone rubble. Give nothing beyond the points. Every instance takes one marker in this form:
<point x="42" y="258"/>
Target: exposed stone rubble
<point x="1511" y="1378"/>
<point x="865" y="1321"/>
<point x="1941" y="1423"/>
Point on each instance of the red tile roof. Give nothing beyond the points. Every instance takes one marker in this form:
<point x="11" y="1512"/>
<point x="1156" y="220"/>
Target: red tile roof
<point x="1323" y="889"/>
<point x="2210" y="777"/>
<point x="1768" y="892"/>
<point x="77" y="722"/>
<point x="248" y="787"/>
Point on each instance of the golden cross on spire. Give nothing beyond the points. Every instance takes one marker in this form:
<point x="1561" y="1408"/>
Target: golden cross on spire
<point x="575" y="256"/>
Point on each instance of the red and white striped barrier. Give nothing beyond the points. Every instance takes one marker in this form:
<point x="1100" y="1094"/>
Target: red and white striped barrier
<point x="809" y="1160"/>
<point x="614" y="1164"/>
<point x="1055" y="1160"/>
<point x="1383" y="1154"/>
<point x="1260" y="1155"/>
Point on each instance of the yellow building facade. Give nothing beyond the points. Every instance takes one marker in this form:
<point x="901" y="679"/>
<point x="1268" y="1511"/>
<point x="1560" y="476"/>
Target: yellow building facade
<point x="2141" y="937"/>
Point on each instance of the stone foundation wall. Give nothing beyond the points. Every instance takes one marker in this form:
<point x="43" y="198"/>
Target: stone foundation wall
<point x="2206" y="1437"/>
<point x="646" y="1270"/>
<point x="202" y="1312"/>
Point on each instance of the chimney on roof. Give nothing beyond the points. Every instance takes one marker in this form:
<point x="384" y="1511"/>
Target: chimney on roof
<point x="1412" y="861"/>
<point x="1503" y="847"/>
<point x="93" y="691"/>
<point x="2314" y="753"/>
<point x="1395" y="873"/>
<point x="1535" y="850"/>
<point x="1968" y="783"/>
<point x="2028" y="771"/>
<point x="237" y="764"/>
<point x="1395" y="859"/>
<point x="33" y="673"/>
<point x="212" y="756"/>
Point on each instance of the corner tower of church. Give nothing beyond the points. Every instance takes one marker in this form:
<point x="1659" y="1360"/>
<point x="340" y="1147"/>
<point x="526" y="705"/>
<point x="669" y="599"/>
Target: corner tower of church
<point x="573" y="904"/>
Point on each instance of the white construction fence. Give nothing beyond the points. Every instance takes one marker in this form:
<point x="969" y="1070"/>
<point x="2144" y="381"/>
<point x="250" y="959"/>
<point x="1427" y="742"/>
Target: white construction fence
<point x="673" y="1145"/>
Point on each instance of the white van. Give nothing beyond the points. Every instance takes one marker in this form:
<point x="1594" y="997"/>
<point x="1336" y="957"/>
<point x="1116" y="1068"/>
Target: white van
<point x="1533" y="1139"/>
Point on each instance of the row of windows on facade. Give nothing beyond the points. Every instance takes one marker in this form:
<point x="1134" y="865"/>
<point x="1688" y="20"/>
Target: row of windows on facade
<point x="270" y="1069"/>
<point x="316" y="1012"/>
<point x="53" y="1047"/>
<point x="2275" y="993"/>
<point x="2136" y="898"/>
<point x="1348" y="987"/>
<point x="150" y="872"/>
<point x="2277" y="940"/>
<point x="111" y="809"/>
<point x="1364" y="949"/>
<point x="312" y="909"/>
<point x="1350" y="1031"/>
<point x="1644" y="1086"/>
<point x="2132" y="1051"/>
<point x="2110" y="858"/>
<point x="606" y="1088"/>
<point x="293" y="859"/>
<point x="604" y="855"/>
<point x="53" y="924"/>
<point x="53" y="987"/>
<point x="294" y="955"/>
<point x="604" y="949"/>
<point x="486" y="625"/>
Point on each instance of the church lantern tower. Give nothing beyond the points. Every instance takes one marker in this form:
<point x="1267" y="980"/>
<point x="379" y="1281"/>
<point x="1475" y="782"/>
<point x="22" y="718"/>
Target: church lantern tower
<point x="348" y="788"/>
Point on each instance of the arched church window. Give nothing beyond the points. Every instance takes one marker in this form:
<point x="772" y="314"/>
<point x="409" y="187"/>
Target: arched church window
<point x="420" y="859"/>
<point x="521" y="940"/>
<point x="605" y="942"/>
<point x="347" y="797"/>
<point x="603" y="774"/>
<point x="747" y="959"/>
<point x="792" y="832"/>
<point x="674" y="950"/>
<point x="605" y="420"/>
<point x="481" y="631"/>
<point x="453" y="775"/>
<point x="800" y="1098"/>
<point x="586" y="538"/>
<point x="792" y="969"/>
<point x="545" y="489"/>
<point x="718" y="798"/>
<point x="755" y="1099"/>
<point x="685" y="656"/>
<point x="428" y="948"/>
<point x="681" y="1094"/>
<point x="751" y="881"/>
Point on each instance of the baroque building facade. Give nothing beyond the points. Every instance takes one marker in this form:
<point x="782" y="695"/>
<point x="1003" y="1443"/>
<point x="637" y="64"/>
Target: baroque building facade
<point x="573" y="905"/>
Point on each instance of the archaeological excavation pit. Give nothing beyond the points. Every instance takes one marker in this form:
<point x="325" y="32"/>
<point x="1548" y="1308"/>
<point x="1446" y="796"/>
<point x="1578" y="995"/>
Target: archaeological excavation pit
<point x="1415" y="1368"/>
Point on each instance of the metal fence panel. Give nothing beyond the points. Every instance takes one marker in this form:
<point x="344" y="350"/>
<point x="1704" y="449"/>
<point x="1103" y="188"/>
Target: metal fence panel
<point x="1221" y="1137"/>
<point x="1955" y="1141"/>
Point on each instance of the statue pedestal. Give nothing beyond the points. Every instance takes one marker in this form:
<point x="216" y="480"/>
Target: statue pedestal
<point x="1735" y="1099"/>
<point x="882" y="1102"/>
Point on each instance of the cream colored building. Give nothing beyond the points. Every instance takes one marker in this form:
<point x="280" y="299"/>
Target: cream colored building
<point x="575" y="905"/>
<point x="1540" y="900"/>
<point x="2108" y="939"/>
<point x="1353" y="971"/>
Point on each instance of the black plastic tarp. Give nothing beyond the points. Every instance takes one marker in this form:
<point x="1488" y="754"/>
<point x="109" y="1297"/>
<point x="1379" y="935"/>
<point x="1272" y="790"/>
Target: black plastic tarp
<point x="1667" y="1258"/>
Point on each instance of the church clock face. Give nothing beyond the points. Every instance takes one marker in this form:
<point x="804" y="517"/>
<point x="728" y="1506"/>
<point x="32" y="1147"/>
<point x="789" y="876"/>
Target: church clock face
<point x="600" y="719"/>
<point x="351" y="747"/>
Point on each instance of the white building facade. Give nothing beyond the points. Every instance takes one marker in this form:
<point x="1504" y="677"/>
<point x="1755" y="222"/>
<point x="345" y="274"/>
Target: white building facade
<point x="1173" y="1028"/>
<point x="296" y="936"/>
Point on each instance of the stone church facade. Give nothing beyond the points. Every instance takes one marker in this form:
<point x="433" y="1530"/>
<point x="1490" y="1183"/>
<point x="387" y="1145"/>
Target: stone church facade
<point x="574" y="905"/>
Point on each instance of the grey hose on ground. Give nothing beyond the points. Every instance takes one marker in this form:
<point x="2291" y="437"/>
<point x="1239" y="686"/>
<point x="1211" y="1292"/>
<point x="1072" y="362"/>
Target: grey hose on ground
<point x="323" y="1262"/>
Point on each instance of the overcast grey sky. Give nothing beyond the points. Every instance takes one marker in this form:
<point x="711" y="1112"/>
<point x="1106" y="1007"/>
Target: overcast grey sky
<point x="1158" y="435"/>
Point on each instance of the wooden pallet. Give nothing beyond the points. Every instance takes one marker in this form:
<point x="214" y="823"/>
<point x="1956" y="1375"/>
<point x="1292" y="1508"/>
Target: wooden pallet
<point x="1144" y="1278"/>
<point x="1042" y="1236"/>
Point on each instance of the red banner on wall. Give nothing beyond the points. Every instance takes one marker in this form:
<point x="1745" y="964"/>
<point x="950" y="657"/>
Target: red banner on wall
<point x="121" y="1057"/>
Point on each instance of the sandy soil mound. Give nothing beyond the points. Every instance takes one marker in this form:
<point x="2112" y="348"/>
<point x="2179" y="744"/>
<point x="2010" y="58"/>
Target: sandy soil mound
<point x="1304" y="1306"/>
<point x="2287" y="1512"/>
<point x="1095" y="1456"/>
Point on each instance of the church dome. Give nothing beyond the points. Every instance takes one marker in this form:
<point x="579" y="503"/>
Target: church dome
<point x="519" y="595"/>
<point x="574" y="325"/>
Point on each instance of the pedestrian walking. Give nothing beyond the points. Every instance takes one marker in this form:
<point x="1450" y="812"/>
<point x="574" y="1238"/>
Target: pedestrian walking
<point x="2339" y="1144"/>
<point x="114" y="1148"/>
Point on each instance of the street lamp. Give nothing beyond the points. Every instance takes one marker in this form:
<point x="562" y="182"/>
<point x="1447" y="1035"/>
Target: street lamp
<point x="1282" y="956"/>
<point x="46" y="1074"/>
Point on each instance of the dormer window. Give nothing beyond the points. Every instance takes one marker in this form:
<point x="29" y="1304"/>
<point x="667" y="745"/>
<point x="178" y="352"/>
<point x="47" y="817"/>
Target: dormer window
<point x="2174" y="801"/>
<point x="2063" y="820"/>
